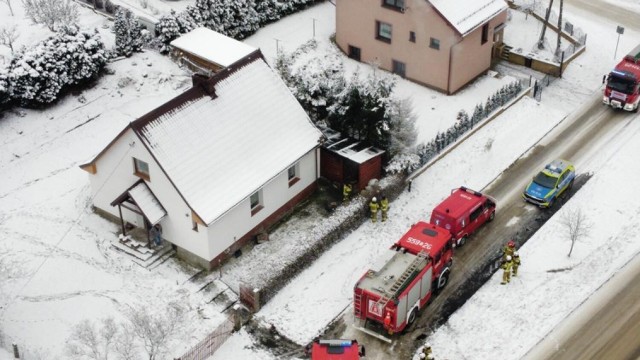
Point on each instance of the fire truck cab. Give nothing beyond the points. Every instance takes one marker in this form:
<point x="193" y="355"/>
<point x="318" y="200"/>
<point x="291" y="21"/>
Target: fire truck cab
<point x="388" y="297"/>
<point x="622" y="90"/>
<point x="463" y="212"/>
<point x="336" y="350"/>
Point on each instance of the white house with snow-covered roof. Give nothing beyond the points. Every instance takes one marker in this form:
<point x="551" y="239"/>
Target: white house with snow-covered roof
<point x="214" y="166"/>
<point x="443" y="44"/>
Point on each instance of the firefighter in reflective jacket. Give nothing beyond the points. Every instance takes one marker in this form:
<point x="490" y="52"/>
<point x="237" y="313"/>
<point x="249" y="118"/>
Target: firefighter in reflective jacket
<point x="508" y="249"/>
<point x="384" y="207"/>
<point x="516" y="263"/>
<point x="346" y="191"/>
<point x="373" y="206"/>
<point x="506" y="266"/>
<point x="387" y="323"/>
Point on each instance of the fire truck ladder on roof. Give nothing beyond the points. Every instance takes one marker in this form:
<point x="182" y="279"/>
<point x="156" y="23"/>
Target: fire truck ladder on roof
<point x="386" y="295"/>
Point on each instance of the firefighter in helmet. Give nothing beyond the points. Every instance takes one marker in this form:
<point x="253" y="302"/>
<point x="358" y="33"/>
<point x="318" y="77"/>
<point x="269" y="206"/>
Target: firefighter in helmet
<point x="509" y="249"/>
<point x="506" y="266"/>
<point x="346" y="191"/>
<point x="426" y="350"/>
<point x="374" y="206"/>
<point x="516" y="263"/>
<point x="384" y="207"/>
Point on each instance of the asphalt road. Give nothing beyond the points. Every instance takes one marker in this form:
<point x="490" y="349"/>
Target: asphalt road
<point x="606" y="326"/>
<point x="609" y="10"/>
<point x="590" y="129"/>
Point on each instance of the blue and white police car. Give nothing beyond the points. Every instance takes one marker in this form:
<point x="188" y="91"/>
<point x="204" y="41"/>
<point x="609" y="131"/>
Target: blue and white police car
<point x="550" y="183"/>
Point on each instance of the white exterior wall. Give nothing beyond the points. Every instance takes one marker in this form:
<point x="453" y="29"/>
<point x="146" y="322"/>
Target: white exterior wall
<point x="238" y="221"/>
<point x="115" y="170"/>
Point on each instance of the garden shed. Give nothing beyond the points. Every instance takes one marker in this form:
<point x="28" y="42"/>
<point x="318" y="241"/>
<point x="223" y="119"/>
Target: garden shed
<point x="347" y="160"/>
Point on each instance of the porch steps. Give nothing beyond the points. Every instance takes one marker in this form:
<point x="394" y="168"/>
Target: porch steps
<point x="141" y="254"/>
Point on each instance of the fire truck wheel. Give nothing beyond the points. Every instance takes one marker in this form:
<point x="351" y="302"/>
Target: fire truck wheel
<point x="443" y="279"/>
<point x="412" y="316"/>
<point x="463" y="240"/>
<point x="492" y="216"/>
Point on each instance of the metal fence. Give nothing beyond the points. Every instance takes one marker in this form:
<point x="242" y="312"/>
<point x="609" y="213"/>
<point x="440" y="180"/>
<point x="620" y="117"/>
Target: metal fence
<point x="205" y="348"/>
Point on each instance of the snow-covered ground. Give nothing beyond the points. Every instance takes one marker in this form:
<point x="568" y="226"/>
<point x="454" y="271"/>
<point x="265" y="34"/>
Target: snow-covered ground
<point x="62" y="269"/>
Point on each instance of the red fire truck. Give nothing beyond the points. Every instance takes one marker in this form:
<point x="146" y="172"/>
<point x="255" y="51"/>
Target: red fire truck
<point x="622" y="89"/>
<point x="336" y="350"/>
<point x="388" y="297"/>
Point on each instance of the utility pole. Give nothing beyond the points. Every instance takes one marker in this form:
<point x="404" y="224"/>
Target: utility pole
<point x="314" y="27"/>
<point x="544" y="26"/>
<point x="559" y="28"/>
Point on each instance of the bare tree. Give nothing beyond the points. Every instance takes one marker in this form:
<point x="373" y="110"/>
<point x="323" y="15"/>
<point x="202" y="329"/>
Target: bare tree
<point x="89" y="341"/>
<point x="8" y="2"/>
<point x="155" y="329"/>
<point x="8" y="36"/>
<point x="125" y="345"/>
<point x="51" y="12"/>
<point x="576" y="226"/>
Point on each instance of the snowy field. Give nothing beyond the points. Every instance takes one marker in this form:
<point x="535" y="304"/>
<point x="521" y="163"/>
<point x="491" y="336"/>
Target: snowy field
<point x="62" y="269"/>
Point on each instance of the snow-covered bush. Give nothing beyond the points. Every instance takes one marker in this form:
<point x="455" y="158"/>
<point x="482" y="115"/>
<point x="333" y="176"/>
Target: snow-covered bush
<point x="109" y="7"/>
<point x="131" y="36"/>
<point x="235" y="18"/>
<point x="4" y="87"/>
<point x="69" y="57"/>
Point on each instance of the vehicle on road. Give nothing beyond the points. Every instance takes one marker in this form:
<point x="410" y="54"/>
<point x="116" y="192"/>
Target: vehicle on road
<point x="463" y="212"/>
<point x="622" y="90"/>
<point x="389" y="296"/>
<point x="336" y="350"/>
<point x="554" y="180"/>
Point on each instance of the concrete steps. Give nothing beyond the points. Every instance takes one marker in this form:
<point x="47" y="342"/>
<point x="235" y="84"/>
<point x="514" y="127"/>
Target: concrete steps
<point x="141" y="254"/>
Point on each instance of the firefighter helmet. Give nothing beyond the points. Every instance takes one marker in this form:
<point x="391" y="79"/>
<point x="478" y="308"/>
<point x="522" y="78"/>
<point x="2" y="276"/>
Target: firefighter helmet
<point x="508" y="257"/>
<point x="511" y="243"/>
<point x="423" y="356"/>
<point x="374" y="199"/>
<point x="516" y="254"/>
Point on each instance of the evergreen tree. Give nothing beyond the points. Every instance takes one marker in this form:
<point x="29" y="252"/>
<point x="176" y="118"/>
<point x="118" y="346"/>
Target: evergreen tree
<point x="318" y="84"/>
<point x="478" y="114"/>
<point x="4" y="87"/>
<point x="168" y="29"/>
<point x="267" y="11"/>
<point x="403" y="133"/>
<point x="463" y="119"/>
<point x="131" y="36"/>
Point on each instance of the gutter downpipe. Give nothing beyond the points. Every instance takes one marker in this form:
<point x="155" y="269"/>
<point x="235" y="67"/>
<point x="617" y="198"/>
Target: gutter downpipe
<point x="449" y="70"/>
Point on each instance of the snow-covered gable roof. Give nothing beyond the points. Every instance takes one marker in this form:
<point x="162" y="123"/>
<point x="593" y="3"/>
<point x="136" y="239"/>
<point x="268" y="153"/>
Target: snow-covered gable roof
<point x="467" y="15"/>
<point x="220" y="149"/>
<point x="212" y="46"/>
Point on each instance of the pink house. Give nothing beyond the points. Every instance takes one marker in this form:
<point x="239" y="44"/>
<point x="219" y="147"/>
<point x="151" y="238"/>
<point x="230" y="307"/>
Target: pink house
<point x="443" y="44"/>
